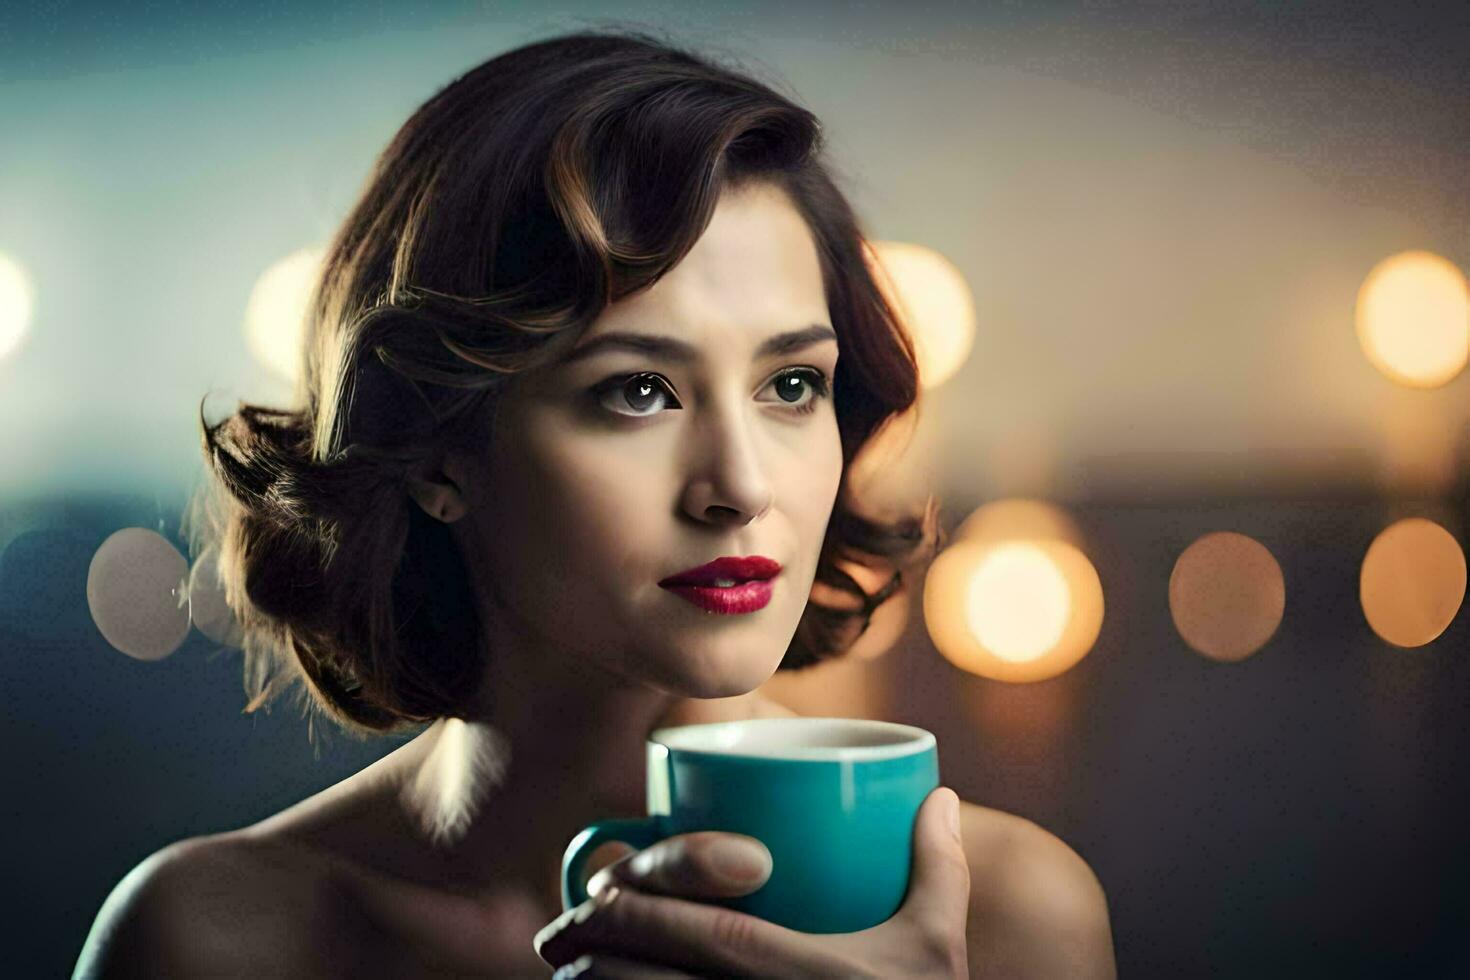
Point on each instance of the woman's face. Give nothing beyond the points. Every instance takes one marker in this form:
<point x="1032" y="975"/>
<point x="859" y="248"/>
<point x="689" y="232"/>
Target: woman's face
<point x="599" y="484"/>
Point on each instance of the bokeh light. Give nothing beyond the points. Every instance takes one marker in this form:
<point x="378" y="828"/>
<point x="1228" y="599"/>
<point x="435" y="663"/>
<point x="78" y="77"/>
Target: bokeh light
<point x="137" y="593"/>
<point x="1019" y="519"/>
<point x="1227" y="595"/>
<point x="1413" y="319"/>
<point x="17" y="302"/>
<point x="275" y="315"/>
<point x="933" y="301"/>
<point x="1412" y="582"/>
<point x="1017" y="603"/>
<point x="1013" y="610"/>
<point x="208" y="611"/>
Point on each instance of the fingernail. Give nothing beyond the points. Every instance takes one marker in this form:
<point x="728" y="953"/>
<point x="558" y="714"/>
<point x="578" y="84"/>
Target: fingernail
<point x="575" y="968"/>
<point x="642" y="863"/>
<point x="739" y="862"/>
<point x="954" y="814"/>
<point x="606" y="896"/>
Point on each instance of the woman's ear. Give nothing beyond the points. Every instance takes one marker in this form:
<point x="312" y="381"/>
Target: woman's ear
<point x="439" y="490"/>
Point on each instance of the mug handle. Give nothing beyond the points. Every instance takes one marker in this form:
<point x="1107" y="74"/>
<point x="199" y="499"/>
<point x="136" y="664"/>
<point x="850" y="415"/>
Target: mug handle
<point x="640" y="833"/>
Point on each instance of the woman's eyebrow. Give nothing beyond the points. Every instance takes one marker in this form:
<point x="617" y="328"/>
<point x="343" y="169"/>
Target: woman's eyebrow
<point x="673" y="349"/>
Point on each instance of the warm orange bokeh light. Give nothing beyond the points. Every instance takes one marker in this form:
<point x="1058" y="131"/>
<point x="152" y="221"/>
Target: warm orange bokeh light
<point x="1017" y="603"/>
<point x="1018" y="611"/>
<point x="1226" y="595"/>
<point x="933" y="301"/>
<point x="1019" y="519"/>
<point x="1413" y="582"/>
<point x="1413" y="319"/>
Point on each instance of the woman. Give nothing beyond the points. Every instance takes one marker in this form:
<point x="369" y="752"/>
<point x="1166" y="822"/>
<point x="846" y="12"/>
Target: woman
<point x="581" y="333"/>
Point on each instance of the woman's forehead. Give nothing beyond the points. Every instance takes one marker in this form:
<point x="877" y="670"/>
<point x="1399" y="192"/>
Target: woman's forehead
<point x="686" y="347"/>
<point x="741" y="302"/>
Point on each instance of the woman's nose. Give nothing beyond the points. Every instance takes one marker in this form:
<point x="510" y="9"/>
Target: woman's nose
<point x="730" y="482"/>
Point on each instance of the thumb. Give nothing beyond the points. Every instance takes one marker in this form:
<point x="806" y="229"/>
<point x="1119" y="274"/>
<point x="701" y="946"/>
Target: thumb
<point x="939" y="878"/>
<point x="605" y="855"/>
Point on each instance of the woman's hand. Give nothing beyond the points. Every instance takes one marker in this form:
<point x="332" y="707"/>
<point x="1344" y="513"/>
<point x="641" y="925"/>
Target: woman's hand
<point x="640" y="921"/>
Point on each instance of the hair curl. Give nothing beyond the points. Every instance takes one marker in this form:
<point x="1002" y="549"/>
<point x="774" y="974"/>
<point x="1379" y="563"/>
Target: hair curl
<point x="508" y="211"/>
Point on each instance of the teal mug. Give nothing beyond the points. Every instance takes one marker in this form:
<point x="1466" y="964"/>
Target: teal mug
<point x="833" y="799"/>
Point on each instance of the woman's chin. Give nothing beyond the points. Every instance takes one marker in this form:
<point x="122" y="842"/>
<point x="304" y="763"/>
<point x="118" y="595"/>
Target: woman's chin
<point x="731" y="684"/>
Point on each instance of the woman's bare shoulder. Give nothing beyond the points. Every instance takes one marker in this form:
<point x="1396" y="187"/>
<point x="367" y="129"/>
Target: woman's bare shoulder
<point x="223" y="902"/>
<point x="1033" y="898"/>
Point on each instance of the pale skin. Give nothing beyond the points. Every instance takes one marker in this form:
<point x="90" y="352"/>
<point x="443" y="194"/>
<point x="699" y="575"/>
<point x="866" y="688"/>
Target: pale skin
<point x="423" y="865"/>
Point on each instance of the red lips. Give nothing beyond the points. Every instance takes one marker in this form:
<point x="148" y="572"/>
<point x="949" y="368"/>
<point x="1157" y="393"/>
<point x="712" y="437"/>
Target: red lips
<point x="739" y="569"/>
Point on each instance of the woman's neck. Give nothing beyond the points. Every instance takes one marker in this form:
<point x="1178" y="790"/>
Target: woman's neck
<point x="495" y="807"/>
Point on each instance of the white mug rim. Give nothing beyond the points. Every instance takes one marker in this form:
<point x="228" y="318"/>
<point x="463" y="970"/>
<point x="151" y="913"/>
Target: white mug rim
<point x="911" y="741"/>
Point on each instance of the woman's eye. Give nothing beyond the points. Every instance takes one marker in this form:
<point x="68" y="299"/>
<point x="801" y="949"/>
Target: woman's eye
<point x="646" y="393"/>
<point x="794" y="381"/>
<point x="638" y="391"/>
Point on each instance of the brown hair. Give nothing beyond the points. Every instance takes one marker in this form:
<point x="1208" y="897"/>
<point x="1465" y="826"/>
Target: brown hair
<point x="505" y="214"/>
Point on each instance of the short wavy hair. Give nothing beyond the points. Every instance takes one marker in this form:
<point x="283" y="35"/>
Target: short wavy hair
<point x="508" y="211"/>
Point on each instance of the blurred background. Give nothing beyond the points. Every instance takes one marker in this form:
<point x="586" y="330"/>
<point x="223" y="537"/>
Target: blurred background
<point x="1187" y="283"/>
